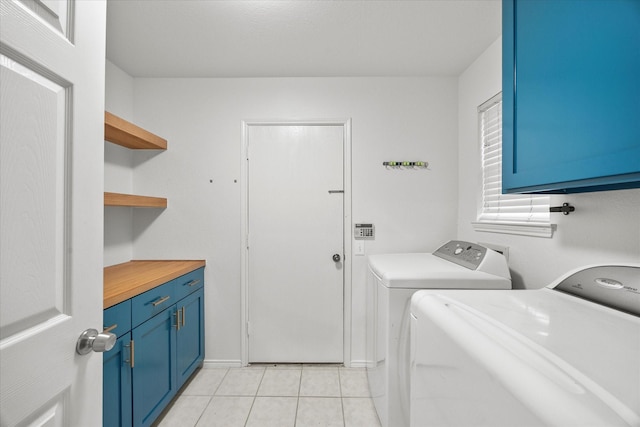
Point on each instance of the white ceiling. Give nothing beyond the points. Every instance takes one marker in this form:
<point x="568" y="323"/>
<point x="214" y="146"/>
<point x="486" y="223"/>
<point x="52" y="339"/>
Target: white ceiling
<point x="299" y="38"/>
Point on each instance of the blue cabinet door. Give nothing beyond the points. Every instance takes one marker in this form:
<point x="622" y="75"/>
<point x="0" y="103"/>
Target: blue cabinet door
<point x="190" y="335"/>
<point x="571" y="95"/>
<point x="154" y="370"/>
<point x="116" y="384"/>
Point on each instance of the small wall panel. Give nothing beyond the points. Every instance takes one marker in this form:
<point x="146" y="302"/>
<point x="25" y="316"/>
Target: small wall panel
<point x="33" y="151"/>
<point x="58" y="14"/>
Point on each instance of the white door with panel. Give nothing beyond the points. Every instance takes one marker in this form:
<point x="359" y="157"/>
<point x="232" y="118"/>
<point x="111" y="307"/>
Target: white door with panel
<point x="52" y="59"/>
<point x="295" y="244"/>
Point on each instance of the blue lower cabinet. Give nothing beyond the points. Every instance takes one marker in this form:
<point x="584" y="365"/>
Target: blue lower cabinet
<point x="190" y="335"/>
<point x="116" y="384"/>
<point x="160" y="345"/>
<point x="154" y="371"/>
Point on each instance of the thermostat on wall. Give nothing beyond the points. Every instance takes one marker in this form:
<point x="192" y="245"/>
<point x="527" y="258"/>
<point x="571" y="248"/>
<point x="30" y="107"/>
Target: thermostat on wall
<point x="364" y="231"/>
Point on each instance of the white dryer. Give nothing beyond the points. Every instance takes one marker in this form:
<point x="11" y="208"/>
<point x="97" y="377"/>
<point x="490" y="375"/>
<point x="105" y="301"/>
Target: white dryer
<point x="565" y="355"/>
<point x="392" y="280"/>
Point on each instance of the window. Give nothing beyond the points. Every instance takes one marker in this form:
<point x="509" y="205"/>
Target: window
<point x="505" y="213"/>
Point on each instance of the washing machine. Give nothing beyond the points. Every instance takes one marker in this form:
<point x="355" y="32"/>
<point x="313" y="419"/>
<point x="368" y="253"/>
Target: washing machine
<point x="565" y="355"/>
<point x="392" y="280"/>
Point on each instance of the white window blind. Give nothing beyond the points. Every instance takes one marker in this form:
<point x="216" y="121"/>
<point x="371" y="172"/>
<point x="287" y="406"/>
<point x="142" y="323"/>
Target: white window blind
<point x="510" y="210"/>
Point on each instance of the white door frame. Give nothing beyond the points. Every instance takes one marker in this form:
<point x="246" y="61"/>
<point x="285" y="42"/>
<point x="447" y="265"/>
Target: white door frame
<point x="244" y="291"/>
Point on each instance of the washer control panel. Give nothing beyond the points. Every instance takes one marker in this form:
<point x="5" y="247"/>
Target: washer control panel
<point x="615" y="286"/>
<point x="466" y="254"/>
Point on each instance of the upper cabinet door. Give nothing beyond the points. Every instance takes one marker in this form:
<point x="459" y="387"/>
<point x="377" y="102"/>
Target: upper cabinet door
<point x="571" y="95"/>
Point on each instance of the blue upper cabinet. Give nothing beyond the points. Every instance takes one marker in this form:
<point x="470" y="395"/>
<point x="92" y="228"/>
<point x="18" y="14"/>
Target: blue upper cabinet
<point x="571" y="95"/>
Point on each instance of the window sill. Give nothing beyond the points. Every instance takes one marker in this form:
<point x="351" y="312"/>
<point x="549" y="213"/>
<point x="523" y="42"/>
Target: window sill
<point x="523" y="229"/>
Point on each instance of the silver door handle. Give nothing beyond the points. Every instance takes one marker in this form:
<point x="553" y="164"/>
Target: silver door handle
<point x="98" y="342"/>
<point x="336" y="257"/>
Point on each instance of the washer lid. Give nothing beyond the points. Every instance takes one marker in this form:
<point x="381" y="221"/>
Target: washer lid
<point x="424" y="270"/>
<point x="560" y="355"/>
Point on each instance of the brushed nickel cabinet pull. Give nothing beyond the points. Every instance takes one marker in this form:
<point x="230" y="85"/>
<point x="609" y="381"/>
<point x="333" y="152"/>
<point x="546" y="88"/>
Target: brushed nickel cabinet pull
<point x="183" y="309"/>
<point x="131" y="360"/>
<point x="177" y="314"/>
<point x="193" y="282"/>
<point x="111" y="328"/>
<point x="160" y="301"/>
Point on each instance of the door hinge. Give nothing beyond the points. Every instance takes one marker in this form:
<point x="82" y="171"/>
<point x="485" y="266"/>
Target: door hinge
<point x="248" y="328"/>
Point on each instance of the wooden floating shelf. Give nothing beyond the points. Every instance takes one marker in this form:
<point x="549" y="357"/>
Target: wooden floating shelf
<point x="124" y="133"/>
<point x="131" y="200"/>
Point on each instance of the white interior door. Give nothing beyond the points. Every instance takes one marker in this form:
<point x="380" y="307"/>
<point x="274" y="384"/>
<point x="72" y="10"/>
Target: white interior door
<point x="295" y="225"/>
<point x="52" y="58"/>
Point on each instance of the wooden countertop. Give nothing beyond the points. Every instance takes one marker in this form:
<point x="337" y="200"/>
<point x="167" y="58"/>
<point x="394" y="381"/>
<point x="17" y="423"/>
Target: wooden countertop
<point x="126" y="280"/>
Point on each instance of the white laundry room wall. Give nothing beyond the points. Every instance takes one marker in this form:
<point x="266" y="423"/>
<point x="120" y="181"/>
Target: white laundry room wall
<point x="200" y="174"/>
<point x="604" y="228"/>
<point x="118" y="170"/>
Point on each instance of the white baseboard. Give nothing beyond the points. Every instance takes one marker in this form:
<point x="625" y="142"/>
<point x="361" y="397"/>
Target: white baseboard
<point x="358" y="364"/>
<point x="212" y="363"/>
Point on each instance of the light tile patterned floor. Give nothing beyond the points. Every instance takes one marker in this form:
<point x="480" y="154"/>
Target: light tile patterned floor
<point x="274" y="395"/>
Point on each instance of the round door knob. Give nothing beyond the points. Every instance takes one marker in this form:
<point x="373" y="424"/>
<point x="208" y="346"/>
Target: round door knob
<point x="92" y="340"/>
<point x="336" y="257"/>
